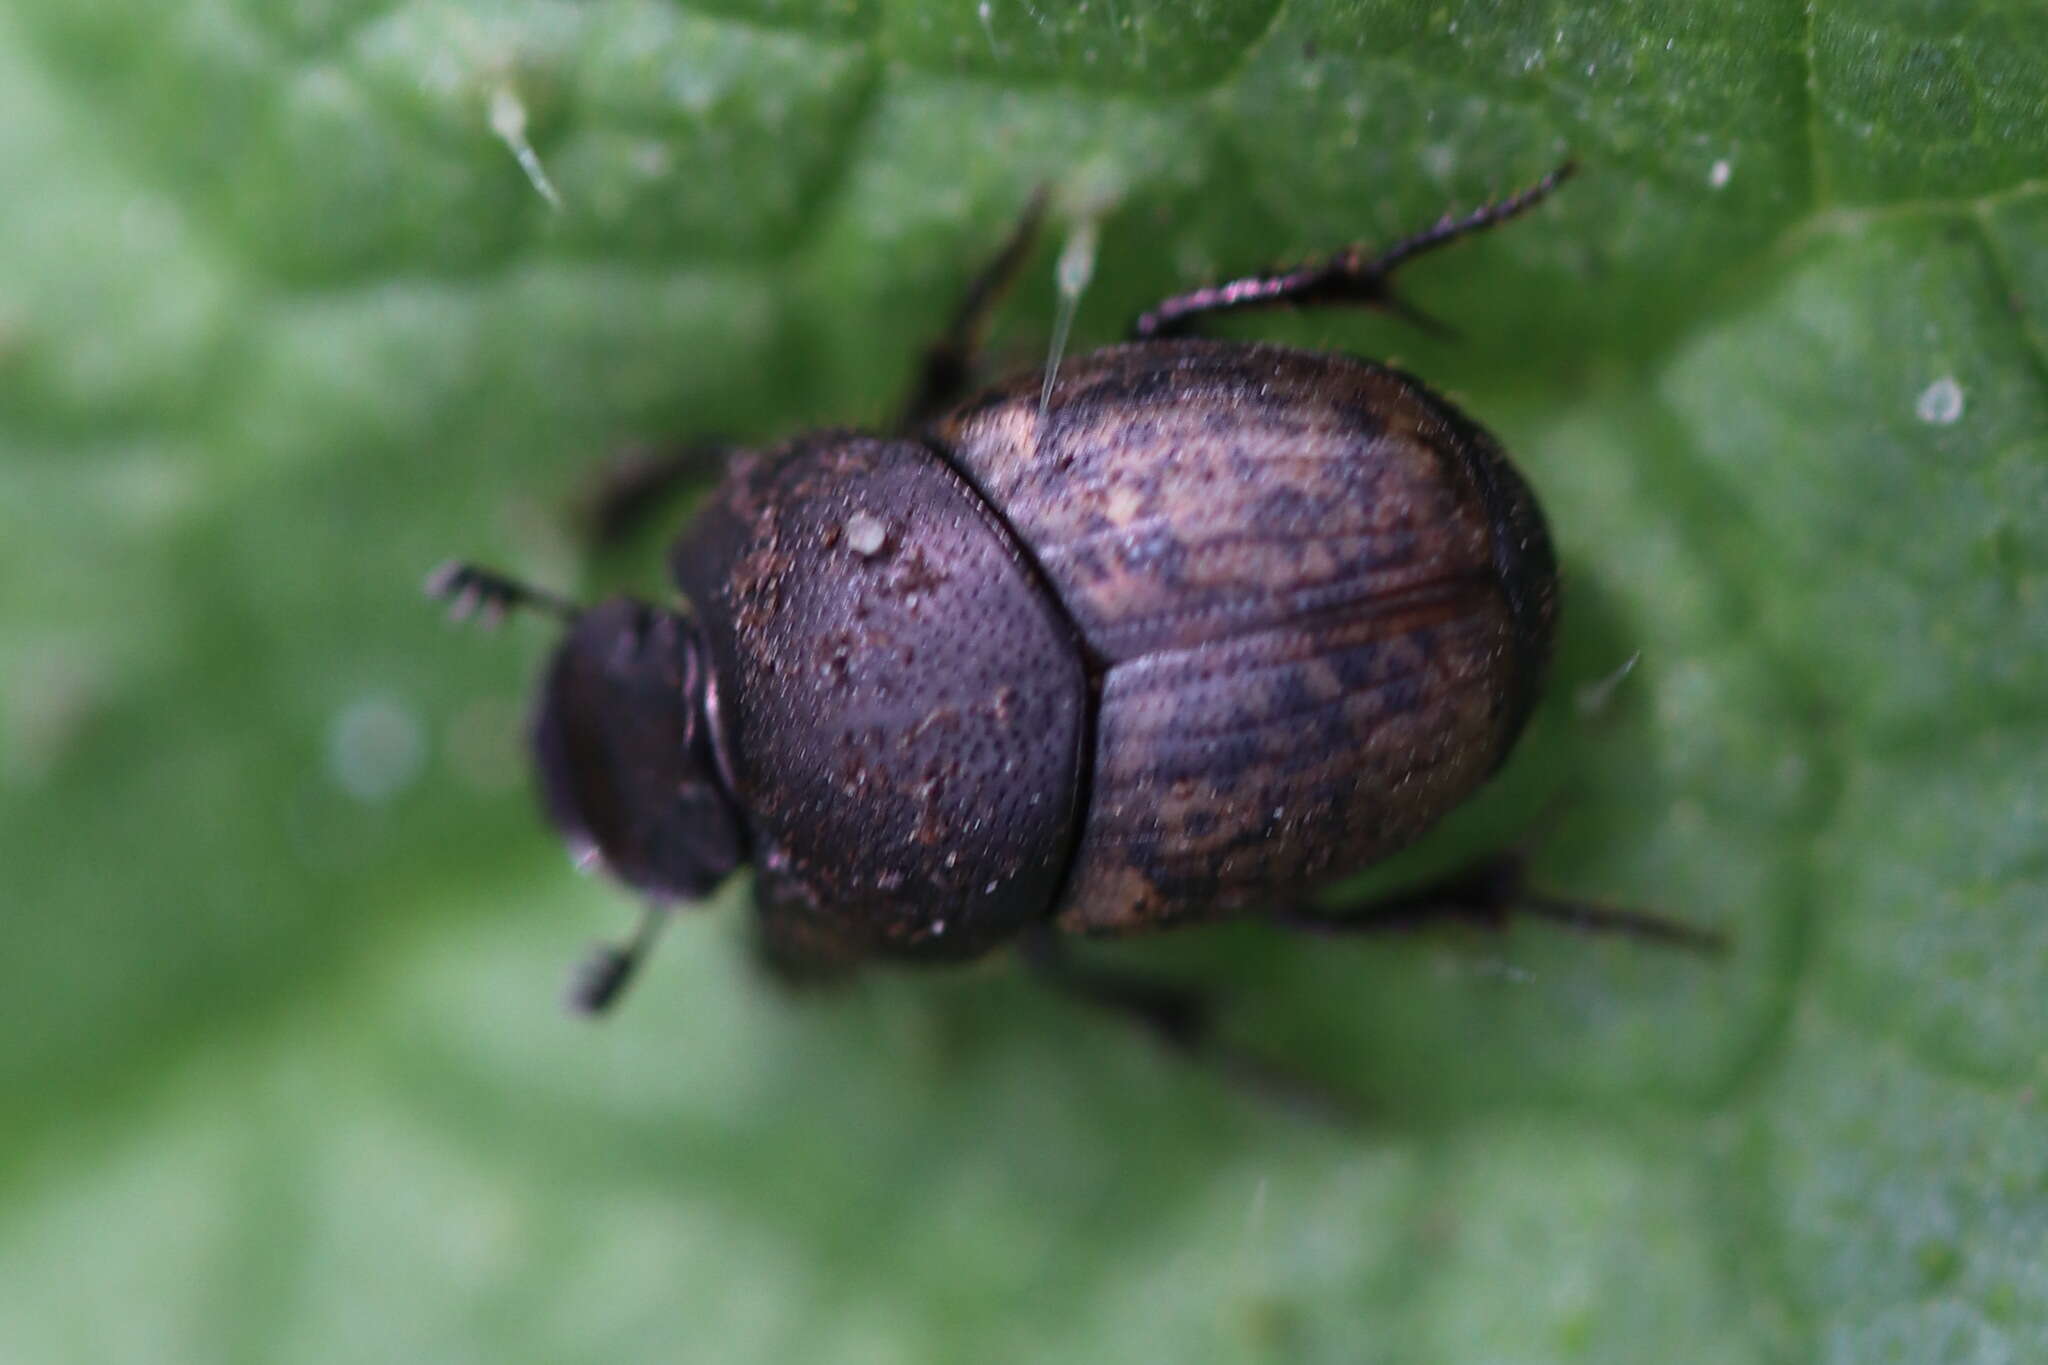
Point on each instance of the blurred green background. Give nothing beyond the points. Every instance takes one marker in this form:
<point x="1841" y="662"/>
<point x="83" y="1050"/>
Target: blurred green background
<point x="282" y="324"/>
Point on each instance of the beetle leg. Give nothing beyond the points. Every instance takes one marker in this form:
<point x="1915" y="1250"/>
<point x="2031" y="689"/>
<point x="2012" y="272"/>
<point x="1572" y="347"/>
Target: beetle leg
<point x="797" y="947"/>
<point x="638" y="482"/>
<point x="1488" y="893"/>
<point x="797" y="960"/>
<point x="949" y="363"/>
<point x="601" y="978"/>
<point x="485" y="596"/>
<point x="1351" y="276"/>
<point x="1183" y="1021"/>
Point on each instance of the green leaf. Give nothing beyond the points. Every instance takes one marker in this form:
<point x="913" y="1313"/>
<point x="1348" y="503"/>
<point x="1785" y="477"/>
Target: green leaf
<point x="284" y="322"/>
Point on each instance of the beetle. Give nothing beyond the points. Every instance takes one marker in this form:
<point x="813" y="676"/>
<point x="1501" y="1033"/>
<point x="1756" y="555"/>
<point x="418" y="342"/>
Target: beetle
<point x="1181" y="632"/>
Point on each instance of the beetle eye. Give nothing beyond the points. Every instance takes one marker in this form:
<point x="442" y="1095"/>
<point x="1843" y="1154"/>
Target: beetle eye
<point x="627" y="768"/>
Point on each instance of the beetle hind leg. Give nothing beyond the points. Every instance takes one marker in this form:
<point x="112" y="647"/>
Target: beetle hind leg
<point x="1488" y="894"/>
<point x="1352" y="276"/>
<point x="1182" y="1020"/>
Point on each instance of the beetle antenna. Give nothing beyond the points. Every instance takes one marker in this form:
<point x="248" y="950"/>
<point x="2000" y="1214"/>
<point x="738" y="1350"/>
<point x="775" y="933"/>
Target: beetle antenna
<point x="602" y="977"/>
<point x="486" y="596"/>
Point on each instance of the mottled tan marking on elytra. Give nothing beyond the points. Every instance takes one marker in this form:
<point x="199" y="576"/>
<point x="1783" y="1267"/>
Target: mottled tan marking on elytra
<point x="1228" y="488"/>
<point x="1285" y="562"/>
<point x="1126" y="886"/>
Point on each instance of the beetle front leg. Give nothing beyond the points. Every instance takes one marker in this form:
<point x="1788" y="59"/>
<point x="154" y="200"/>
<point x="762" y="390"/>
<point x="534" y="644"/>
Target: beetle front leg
<point x="602" y="977"/>
<point x="639" y="481"/>
<point x="1488" y="893"/>
<point x="797" y="950"/>
<point x="949" y="363"/>
<point x="1352" y="276"/>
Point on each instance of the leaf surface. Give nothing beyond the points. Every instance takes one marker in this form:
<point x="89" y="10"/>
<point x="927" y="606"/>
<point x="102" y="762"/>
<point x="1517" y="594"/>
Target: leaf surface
<point x="283" y="322"/>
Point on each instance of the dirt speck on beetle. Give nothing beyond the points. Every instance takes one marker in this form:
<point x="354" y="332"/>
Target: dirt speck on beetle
<point x="865" y="534"/>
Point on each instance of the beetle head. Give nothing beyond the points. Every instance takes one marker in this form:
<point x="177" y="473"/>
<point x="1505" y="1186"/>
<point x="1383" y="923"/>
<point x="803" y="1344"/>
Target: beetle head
<point x="628" y="756"/>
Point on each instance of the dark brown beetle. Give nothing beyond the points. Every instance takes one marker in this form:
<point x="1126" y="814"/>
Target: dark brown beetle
<point x="1198" y="627"/>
